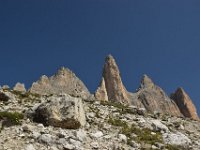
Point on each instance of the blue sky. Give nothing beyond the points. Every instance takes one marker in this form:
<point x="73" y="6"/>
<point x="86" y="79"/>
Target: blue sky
<point x="156" y="37"/>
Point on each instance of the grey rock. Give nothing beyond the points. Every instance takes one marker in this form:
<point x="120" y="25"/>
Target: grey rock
<point x="154" y="98"/>
<point x="64" y="81"/>
<point x="47" y="139"/>
<point x="63" y="111"/>
<point x="30" y="147"/>
<point x="95" y="145"/>
<point x="81" y="135"/>
<point x="69" y="146"/>
<point x="97" y="134"/>
<point x="123" y="138"/>
<point x="178" y="139"/>
<point x="158" y="126"/>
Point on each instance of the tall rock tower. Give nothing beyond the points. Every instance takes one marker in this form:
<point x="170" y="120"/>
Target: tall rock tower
<point x="114" y="88"/>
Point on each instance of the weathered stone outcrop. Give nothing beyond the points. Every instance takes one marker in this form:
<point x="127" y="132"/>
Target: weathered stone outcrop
<point x="63" y="111"/>
<point x="185" y="103"/>
<point x="113" y="84"/>
<point x="64" y="81"/>
<point x="101" y="93"/>
<point x="19" y="87"/>
<point x="154" y="98"/>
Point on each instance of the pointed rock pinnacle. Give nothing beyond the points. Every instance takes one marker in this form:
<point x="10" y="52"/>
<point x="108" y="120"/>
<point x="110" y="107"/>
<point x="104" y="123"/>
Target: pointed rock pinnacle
<point x="101" y="93"/>
<point x="146" y="82"/>
<point x="116" y="92"/>
<point x="185" y="104"/>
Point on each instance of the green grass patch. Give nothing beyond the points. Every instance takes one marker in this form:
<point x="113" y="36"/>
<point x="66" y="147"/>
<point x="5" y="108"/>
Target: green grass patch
<point x="143" y="135"/>
<point x="11" y="118"/>
<point x="173" y="147"/>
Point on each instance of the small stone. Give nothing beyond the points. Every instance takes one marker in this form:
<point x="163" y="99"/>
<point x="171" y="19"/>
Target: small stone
<point x="26" y="128"/>
<point x="154" y="147"/>
<point x="141" y="111"/>
<point x="81" y="135"/>
<point x="95" y="145"/>
<point x="47" y="138"/>
<point x="35" y="134"/>
<point x="75" y="142"/>
<point x="158" y="126"/>
<point x="69" y="146"/>
<point x="181" y="127"/>
<point x="30" y="147"/>
<point x="98" y="134"/>
<point x="123" y="138"/>
<point x="134" y="144"/>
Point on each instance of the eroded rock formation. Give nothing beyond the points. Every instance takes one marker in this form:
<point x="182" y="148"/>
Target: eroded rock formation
<point x="154" y="98"/>
<point x="101" y="93"/>
<point x="113" y="84"/>
<point x="64" y="81"/>
<point x="185" y="103"/>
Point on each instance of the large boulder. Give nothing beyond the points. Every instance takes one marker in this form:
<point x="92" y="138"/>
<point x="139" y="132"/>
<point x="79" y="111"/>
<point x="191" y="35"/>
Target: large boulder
<point x="185" y="104"/>
<point x="64" y="81"/>
<point x="61" y="111"/>
<point x="177" y="139"/>
<point x="155" y="99"/>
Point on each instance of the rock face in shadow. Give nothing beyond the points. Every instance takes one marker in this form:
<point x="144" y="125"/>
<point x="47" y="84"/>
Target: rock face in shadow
<point x="116" y="92"/>
<point x="64" y="81"/>
<point x="185" y="104"/>
<point x="154" y="98"/>
<point x="61" y="111"/>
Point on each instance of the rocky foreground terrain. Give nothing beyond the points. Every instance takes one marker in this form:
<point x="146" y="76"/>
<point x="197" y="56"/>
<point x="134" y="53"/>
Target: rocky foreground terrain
<point x="59" y="113"/>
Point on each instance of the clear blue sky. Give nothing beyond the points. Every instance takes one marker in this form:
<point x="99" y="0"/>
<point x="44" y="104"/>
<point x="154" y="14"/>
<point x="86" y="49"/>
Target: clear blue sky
<point x="158" y="37"/>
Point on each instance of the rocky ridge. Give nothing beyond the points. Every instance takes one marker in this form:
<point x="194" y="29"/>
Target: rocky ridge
<point x="155" y="100"/>
<point x="59" y="113"/>
<point x="64" y="81"/>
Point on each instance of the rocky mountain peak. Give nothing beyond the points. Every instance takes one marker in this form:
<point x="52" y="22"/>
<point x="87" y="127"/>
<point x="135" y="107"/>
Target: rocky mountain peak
<point x="19" y="87"/>
<point x="185" y="103"/>
<point x="63" y="72"/>
<point x="146" y="82"/>
<point x="155" y="99"/>
<point x="64" y="81"/>
<point x="113" y="84"/>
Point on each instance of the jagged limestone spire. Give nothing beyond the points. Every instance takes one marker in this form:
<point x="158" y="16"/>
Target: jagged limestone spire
<point x="115" y="89"/>
<point x="146" y="82"/>
<point x="185" y="103"/>
<point x="101" y="93"/>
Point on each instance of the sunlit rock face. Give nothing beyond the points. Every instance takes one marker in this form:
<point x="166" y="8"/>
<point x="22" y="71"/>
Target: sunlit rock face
<point x="185" y="104"/>
<point x="112" y="84"/>
<point x="154" y="98"/>
<point x="64" y="81"/>
<point x="101" y="93"/>
<point x="20" y="87"/>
